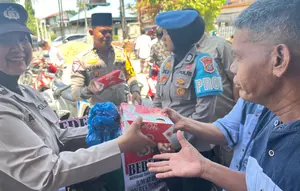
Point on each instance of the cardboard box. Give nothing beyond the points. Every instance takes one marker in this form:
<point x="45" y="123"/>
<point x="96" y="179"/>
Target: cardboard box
<point x="156" y="124"/>
<point x="110" y="79"/>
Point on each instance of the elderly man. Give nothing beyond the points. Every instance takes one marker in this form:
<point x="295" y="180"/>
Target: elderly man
<point x="266" y="47"/>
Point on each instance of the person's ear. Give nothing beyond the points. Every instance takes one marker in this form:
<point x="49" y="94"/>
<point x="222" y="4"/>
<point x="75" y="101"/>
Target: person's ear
<point x="281" y="60"/>
<point x="91" y="31"/>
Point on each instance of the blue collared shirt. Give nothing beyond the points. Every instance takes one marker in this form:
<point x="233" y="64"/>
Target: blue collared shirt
<point x="256" y="179"/>
<point x="238" y="127"/>
<point x="276" y="149"/>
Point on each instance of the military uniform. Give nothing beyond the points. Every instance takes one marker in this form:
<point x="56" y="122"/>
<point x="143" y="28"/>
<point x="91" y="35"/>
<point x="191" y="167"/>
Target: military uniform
<point x="31" y="145"/>
<point x="90" y="65"/>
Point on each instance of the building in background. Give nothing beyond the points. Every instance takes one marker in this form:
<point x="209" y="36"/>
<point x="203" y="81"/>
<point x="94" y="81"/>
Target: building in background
<point x="229" y="13"/>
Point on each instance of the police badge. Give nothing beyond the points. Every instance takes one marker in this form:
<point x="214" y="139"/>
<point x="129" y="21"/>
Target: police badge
<point x="11" y="13"/>
<point x="208" y="64"/>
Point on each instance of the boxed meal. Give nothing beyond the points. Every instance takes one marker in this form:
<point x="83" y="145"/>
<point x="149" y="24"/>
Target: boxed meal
<point x="156" y="124"/>
<point x="110" y="79"/>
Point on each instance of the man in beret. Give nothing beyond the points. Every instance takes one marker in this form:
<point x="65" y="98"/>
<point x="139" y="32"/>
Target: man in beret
<point x="100" y="60"/>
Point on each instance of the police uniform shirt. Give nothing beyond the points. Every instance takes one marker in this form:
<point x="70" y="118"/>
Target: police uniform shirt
<point x="30" y="143"/>
<point x="221" y="51"/>
<point x="89" y="65"/>
<point x="190" y="88"/>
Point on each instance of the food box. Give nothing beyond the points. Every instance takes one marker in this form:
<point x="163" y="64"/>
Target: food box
<point x="110" y="79"/>
<point x="156" y="124"/>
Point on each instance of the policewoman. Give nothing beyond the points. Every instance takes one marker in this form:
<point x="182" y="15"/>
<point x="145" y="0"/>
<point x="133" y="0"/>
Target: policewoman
<point x="103" y="58"/>
<point x="35" y="153"/>
<point x="189" y="81"/>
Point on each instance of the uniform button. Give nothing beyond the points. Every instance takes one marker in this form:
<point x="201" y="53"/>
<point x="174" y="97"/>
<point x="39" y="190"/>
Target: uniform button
<point x="276" y="123"/>
<point x="261" y="189"/>
<point x="243" y="150"/>
<point x="249" y="133"/>
<point x="271" y="153"/>
<point x="237" y="166"/>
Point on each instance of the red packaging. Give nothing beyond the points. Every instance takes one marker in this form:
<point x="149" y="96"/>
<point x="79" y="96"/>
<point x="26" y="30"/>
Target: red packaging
<point x="156" y="124"/>
<point x="110" y="79"/>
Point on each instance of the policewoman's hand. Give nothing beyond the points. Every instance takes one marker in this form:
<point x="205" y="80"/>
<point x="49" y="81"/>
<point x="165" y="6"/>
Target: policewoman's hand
<point x="134" y="140"/>
<point x="180" y="122"/>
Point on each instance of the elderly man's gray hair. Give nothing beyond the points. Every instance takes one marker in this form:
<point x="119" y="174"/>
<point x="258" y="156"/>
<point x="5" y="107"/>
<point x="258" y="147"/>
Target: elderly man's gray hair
<point x="275" y="21"/>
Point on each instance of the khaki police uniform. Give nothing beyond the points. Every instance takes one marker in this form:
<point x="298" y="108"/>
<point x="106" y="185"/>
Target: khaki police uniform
<point x="90" y="64"/>
<point x="31" y="144"/>
<point x="221" y="51"/>
<point x="190" y="88"/>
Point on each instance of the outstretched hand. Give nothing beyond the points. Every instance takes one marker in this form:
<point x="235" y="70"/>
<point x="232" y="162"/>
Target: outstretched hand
<point x="186" y="163"/>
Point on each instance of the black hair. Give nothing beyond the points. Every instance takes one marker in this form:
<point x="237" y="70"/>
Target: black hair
<point x="42" y="43"/>
<point x="159" y="33"/>
<point x="143" y="31"/>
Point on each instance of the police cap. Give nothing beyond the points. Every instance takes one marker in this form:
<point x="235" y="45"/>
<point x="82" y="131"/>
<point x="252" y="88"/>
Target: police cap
<point x="13" y="18"/>
<point x="176" y="19"/>
<point x="102" y="19"/>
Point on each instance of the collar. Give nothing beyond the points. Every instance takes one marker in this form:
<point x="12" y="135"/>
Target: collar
<point x="189" y="57"/>
<point x="201" y="42"/>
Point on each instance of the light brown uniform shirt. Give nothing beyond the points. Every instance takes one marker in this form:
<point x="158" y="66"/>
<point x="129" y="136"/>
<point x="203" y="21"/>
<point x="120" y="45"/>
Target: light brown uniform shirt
<point x="89" y="65"/>
<point x="31" y="144"/>
<point x="221" y="51"/>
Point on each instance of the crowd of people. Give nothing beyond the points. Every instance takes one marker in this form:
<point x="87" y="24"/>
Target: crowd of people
<point x="235" y="107"/>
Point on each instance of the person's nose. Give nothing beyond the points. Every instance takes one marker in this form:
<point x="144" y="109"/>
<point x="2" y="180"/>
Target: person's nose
<point x="17" y="46"/>
<point x="234" y="67"/>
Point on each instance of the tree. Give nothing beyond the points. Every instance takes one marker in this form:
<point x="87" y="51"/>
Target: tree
<point x="31" y="22"/>
<point x="209" y="9"/>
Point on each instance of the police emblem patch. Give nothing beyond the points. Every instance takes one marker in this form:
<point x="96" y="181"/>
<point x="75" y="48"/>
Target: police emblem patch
<point x="75" y="66"/>
<point x="189" y="57"/>
<point x="163" y="79"/>
<point x="188" y="67"/>
<point x="208" y="64"/>
<point x="180" y="92"/>
<point x="11" y="13"/>
<point x="168" y="65"/>
<point x="180" y="81"/>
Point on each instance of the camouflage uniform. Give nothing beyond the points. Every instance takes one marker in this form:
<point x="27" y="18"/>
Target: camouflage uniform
<point x="158" y="53"/>
<point x="90" y="64"/>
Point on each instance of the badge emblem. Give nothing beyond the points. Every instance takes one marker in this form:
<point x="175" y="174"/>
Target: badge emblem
<point x="188" y="67"/>
<point x="189" y="58"/>
<point x="180" y="92"/>
<point x="11" y="13"/>
<point x="208" y="64"/>
<point x="180" y="81"/>
<point x="168" y="65"/>
<point x="163" y="79"/>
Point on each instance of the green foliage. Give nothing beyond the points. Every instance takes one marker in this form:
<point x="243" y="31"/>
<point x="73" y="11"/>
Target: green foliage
<point x="115" y="37"/>
<point x="31" y="22"/>
<point x="209" y="9"/>
<point x="53" y="36"/>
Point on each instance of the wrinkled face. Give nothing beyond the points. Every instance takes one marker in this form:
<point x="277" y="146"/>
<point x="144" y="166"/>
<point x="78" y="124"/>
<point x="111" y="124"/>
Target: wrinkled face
<point x="169" y="46"/>
<point x="253" y="66"/>
<point x="102" y="36"/>
<point x="15" y="53"/>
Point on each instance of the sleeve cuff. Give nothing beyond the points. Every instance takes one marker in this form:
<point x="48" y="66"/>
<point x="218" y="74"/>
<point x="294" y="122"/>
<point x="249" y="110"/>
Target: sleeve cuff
<point x="230" y="136"/>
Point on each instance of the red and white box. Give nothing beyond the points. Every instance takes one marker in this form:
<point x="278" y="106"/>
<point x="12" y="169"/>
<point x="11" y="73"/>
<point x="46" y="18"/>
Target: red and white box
<point x="110" y="79"/>
<point x="156" y="124"/>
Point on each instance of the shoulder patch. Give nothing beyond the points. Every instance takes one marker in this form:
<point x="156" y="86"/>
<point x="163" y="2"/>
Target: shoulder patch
<point x="208" y="81"/>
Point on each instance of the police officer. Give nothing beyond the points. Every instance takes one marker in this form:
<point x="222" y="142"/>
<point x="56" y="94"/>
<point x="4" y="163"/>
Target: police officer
<point x="34" y="151"/>
<point x="189" y="81"/>
<point x="100" y="60"/>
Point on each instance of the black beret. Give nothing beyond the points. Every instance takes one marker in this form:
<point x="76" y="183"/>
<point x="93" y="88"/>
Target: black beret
<point x="102" y="19"/>
<point x="13" y="18"/>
